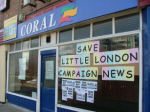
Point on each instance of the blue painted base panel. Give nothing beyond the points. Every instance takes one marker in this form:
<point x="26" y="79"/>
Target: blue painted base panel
<point x="64" y="110"/>
<point x="22" y="102"/>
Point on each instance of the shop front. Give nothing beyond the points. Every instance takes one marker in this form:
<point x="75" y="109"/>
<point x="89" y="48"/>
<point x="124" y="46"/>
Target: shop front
<point x="71" y="59"/>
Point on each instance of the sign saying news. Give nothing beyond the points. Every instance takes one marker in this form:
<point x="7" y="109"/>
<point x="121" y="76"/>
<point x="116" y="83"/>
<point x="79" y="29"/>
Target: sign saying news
<point x="120" y="73"/>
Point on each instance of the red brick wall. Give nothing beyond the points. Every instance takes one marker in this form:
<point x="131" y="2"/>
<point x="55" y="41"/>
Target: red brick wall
<point x="142" y="3"/>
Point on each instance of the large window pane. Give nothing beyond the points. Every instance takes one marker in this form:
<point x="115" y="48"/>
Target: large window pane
<point x="23" y="67"/>
<point x="25" y="45"/>
<point x="82" y="32"/>
<point x="112" y="90"/>
<point x="102" y="28"/>
<point x="65" y="36"/>
<point x="127" y="23"/>
<point x="18" y="46"/>
<point x="34" y="42"/>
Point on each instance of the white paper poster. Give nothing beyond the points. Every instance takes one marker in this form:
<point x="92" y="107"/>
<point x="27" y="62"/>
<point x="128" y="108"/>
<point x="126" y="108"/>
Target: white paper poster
<point x="80" y="95"/>
<point x="64" y="93"/>
<point x="22" y="69"/>
<point x="49" y="72"/>
<point x="70" y="93"/>
<point x="90" y="96"/>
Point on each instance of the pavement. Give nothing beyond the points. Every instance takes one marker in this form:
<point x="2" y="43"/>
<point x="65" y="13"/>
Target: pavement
<point x="7" y="107"/>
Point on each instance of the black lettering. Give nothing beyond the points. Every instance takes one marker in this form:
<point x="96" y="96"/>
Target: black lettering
<point x="129" y="74"/>
<point x="105" y="74"/>
<point x="102" y="59"/>
<point x="95" y="47"/>
<point x="78" y="74"/>
<point x="109" y="59"/>
<point x="120" y="72"/>
<point x="125" y="57"/>
<point x="88" y="73"/>
<point x="68" y="73"/>
<point x="81" y="62"/>
<point x="96" y="60"/>
<point x="71" y="60"/>
<point x="94" y="74"/>
<point x="86" y="60"/>
<point x="84" y="49"/>
<point x="79" y="49"/>
<point x="62" y="62"/>
<point x="113" y="73"/>
<point x="83" y="73"/>
<point x="59" y="73"/>
<point x="67" y="60"/>
<point x="89" y="47"/>
<point x="73" y="72"/>
<point x="76" y="60"/>
<point x="117" y="58"/>
<point x="132" y="56"/>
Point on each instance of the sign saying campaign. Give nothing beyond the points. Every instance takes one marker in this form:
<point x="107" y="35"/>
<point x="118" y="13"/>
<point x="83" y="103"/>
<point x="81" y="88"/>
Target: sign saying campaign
<point x="89" y="73"/>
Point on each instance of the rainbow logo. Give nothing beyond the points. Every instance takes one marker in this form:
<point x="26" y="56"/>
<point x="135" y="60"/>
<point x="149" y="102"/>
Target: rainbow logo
<point x="67" y="12"/>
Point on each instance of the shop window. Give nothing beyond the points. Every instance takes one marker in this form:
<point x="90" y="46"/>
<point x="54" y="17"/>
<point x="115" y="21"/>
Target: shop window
<point x="23" y="68"/>
<point x="100" y="75"/>
<point x="11" y="47"/>
<point x="127" y="23"/>
<point x="102" y="28"/>
<point x="65" y="35"/>
<point x="18" y="46"/>
<point x="25" y="45"/>
<point x="82" y="32"/>
<point x="35" y="42"/>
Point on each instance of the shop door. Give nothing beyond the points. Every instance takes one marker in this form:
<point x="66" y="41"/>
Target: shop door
<point x="48" y="71"/>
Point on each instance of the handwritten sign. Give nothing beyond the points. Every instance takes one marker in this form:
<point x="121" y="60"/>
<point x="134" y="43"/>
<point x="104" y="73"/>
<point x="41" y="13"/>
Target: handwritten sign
<point x="75" y="60"/>
<point x="120" y="73"/>
<point x="88" y="47"/>
<point x="116" y="57"/>
<point x="90" y="73"/>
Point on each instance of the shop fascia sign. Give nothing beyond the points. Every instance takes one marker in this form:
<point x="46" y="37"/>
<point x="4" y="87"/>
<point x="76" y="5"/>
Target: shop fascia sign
<point x="49" y="21"/>
<point x="70" y="14"/>
<point x="36" y="25"/>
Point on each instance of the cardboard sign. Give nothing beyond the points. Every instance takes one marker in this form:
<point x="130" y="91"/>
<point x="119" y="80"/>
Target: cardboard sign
<point x="75" y="60"/>
<point x="87" y="47"/>
<point x="119" y="73"/>
<point x="117" y="57"/>
<point x="90" y="73"/>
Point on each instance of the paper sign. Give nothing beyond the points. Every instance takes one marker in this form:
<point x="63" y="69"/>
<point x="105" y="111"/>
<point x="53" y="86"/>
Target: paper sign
<point x="80" y="95"/>
<point x="49" y="72"/>
<point x="70" y="93"/>
<point x="75" y="60"/>
<point x="116" y="57"/>
<point x="22" y="69"/>
<point x="87" y="47"/>
<point x="121" y="73"/>
<point x="90" y="96"/>
<point x="92" y="85"/>
<point x="90" y="73"/>
<point x="64" y="93"/>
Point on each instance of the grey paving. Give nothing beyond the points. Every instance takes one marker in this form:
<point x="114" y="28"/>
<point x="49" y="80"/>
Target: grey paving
<point x="12" y="108"/>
